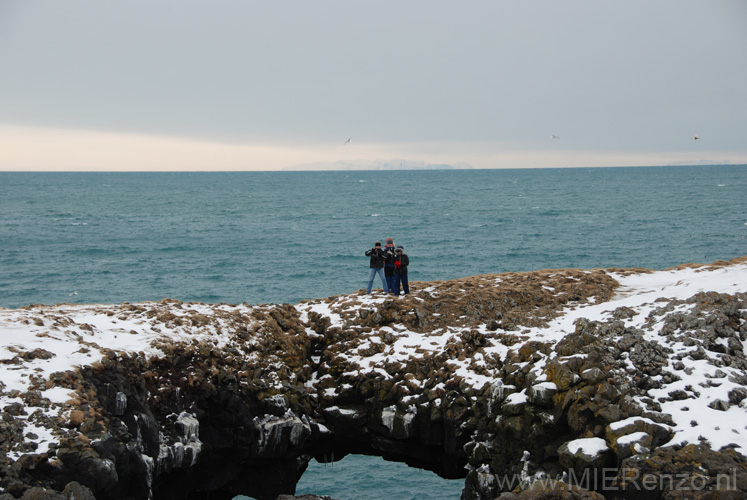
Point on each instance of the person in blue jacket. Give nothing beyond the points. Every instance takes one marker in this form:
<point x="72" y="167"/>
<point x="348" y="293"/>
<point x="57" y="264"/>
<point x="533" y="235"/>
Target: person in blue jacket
<point x="401" y="261"/>
<point x="376" y="267"/>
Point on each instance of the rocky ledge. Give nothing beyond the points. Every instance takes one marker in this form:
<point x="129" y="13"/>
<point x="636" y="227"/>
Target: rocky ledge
<point x="549" y="384"/>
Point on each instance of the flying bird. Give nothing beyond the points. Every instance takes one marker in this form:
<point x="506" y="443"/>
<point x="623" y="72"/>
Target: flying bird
<point x="348" y="141"/>
<point x="554" y="136"/>
<point x="696" y="137"/>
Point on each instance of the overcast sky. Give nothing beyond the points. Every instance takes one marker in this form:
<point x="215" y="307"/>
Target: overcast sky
<point x="226" y="85"/>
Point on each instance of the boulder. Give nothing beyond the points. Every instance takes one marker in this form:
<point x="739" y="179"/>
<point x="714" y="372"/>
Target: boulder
<point x="495" y="394"/>
<point x="561" y="373"/>
<point x="77" y="491"/>
<point x="632" y="444"/>
<point x="514" y="404"/>
<point x="42" y="494"/>
<point x="585" y="454"/>
<point x="719" y="404"/>
<point x="659" y="433"/>
<point x="542" y="394"/>
<point x="592" y="375"/>
<point x="737" y="395"/>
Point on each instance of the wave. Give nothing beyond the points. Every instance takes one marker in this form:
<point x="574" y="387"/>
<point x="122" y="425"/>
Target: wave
<point x="348" y="256"/>
<point x="180" y="248"/>
<point x="92" y="251"/>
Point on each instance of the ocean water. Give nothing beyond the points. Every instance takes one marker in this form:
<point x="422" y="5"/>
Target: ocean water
<point x="361" y="477"/>
<point x="260" y="237"/>
<point x="286" y="236"/>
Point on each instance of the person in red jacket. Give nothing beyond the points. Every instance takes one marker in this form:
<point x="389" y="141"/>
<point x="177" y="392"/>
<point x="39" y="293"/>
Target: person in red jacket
<point x="401" y="261"/>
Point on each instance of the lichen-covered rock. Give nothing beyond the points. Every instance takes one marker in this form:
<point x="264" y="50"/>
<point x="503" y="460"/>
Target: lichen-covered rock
<point x="585" y="454"/>
<point x="691" y="472"/>
<point x="659" y="433"/>
<point x="220" y="399"/>
<point x="552" y="490"/>
<point x="542" y="393"/>
<point x="514" y="404"/>
<point x="632" y="444"/>
<point x="37" y="493"/>
<point x="74" y="490"/>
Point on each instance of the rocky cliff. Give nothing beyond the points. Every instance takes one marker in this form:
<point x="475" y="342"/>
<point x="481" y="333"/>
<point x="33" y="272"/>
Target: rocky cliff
<point x="589" y="384"/>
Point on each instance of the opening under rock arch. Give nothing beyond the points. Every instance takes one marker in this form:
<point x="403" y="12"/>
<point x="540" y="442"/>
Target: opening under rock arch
<point x="363" y="477"/>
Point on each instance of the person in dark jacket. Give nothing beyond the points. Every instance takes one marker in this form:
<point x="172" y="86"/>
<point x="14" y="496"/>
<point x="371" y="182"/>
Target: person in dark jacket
<point x="376" y="266"/>
<point x="390" y="254"/>
<point x="400" y="271"/>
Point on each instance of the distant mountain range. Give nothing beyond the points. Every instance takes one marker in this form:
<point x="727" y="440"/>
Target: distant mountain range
<point x="380" y="165"/>
<point x="699" y="162"/>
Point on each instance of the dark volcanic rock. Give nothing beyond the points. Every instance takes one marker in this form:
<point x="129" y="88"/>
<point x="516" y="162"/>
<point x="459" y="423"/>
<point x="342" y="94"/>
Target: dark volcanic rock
<point x="226" y="400"/>
<point x="552" y="490"/>
<point x="691" y="472"/>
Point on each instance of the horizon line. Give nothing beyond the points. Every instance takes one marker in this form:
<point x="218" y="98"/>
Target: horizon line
<point x="292" y="170"/>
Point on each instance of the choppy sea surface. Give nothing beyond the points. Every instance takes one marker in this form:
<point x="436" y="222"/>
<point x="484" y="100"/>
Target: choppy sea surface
<point x="286" y="236"/>
<point x="360" y="477"/>
<point x="260" y="237"/>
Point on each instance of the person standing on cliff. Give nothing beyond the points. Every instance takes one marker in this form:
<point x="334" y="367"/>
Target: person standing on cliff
<point x="390" y="255"/>
<point x="400" y="271"/>
<point x="376" y="266"/>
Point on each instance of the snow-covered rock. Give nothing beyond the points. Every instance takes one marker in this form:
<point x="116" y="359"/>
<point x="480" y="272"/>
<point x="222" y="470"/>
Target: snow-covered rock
<point x="132" y="393"/>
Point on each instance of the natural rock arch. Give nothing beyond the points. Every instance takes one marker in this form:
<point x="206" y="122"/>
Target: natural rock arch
<point x="225" y="400"/>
